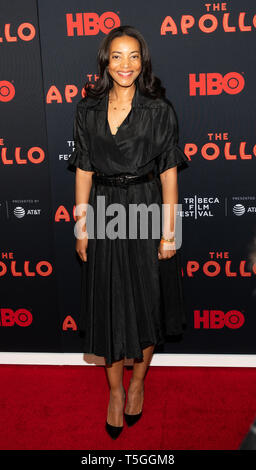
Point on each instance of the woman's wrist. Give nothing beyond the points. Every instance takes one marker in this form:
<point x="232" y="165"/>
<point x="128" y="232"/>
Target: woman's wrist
<point x="168" y="245"/>
<point x="168" y="240"/>
<point x="168" y="236"/>
<point x="84" y="231"/>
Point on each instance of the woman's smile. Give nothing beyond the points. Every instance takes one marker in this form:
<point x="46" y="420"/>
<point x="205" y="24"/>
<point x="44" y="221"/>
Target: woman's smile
<point x="125" y="74"/>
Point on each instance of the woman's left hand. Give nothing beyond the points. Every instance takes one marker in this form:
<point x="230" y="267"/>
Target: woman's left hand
<point x="165" y="251"/>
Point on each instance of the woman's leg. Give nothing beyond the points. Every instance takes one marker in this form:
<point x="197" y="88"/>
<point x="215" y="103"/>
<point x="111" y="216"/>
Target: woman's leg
<point x="136" y="388"/>
<point x="116" y="402"/>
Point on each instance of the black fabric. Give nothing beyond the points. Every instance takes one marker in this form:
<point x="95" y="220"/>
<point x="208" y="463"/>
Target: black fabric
<point x="129" y="298"/>
<point x="122" y="180"/>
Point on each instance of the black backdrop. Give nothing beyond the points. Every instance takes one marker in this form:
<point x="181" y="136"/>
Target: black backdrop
<point x="205" y="56"/>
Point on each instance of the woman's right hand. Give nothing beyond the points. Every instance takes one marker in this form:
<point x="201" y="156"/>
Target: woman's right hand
<point x="81" y="248"/>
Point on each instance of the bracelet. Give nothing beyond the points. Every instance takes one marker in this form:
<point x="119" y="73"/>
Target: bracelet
<point x="164" y="242"/>
<point x="168" y="239"/>
<point x="168" y="245"/>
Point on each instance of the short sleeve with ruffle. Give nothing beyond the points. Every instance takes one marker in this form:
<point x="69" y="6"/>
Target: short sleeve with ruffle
<point x="172" y="155"/>
<point x="80" y="157"/>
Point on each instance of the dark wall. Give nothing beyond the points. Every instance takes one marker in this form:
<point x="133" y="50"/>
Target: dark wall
<point x="208" y="69"/>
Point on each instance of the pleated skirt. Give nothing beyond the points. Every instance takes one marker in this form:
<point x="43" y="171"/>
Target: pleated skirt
<point x="129" y="298"/>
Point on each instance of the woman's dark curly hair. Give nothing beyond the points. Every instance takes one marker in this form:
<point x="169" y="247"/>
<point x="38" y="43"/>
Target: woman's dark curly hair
<point x="148" y="83"/>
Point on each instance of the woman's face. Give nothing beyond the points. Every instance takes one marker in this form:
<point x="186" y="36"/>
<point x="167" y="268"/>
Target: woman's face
<point x="124" y="60"/>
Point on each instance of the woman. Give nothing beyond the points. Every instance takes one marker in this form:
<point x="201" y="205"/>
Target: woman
<point x="126" y="152"/>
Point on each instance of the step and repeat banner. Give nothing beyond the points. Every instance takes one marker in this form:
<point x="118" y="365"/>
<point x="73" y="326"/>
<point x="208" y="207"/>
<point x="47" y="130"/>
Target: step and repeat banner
<point x="204" y="54"/>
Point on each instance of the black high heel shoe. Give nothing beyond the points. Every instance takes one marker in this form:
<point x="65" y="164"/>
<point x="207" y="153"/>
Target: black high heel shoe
<point x="114" y="431"/>
<point x="132" y="419"/>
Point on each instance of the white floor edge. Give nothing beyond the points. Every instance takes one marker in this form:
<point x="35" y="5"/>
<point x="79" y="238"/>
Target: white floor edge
<point x="178" y="360"/>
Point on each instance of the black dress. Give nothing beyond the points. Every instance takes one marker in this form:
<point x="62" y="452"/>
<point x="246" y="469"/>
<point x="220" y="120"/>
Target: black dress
<point x="129" y="298"/>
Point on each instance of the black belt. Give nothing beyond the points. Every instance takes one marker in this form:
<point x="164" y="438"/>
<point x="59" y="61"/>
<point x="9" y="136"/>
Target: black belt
<point x="121" y="179"/>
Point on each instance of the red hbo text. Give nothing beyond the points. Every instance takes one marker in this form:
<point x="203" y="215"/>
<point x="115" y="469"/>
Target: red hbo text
<point x="216" y="319"/>
<point x="91" y="24"/>
<point x="20" y="317"/>
<point x="214" y="83"/>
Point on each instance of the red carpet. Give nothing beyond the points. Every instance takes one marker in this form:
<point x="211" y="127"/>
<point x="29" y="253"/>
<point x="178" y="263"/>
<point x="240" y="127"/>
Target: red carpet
<point x="64" y="407"/>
